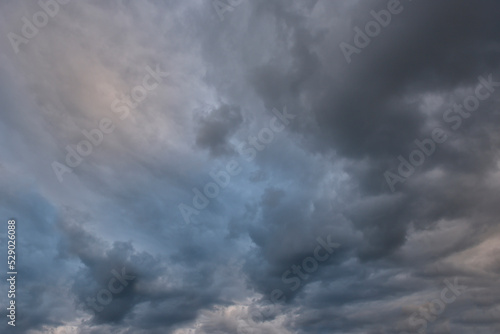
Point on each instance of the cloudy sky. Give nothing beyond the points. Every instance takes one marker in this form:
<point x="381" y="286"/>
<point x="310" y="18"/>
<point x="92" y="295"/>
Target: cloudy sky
<point x="251" y="166"/>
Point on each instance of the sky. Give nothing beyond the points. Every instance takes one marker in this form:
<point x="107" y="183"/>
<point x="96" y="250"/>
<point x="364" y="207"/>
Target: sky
<point x="251" y="166"/>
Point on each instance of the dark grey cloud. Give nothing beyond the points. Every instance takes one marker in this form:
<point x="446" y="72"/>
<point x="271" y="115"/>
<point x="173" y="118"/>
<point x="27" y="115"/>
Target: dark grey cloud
<point x="217" y="127"/>
<point x="321" y="177"/>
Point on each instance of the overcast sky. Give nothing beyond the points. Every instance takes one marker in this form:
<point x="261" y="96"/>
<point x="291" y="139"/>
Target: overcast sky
<point x="251" y="166"/>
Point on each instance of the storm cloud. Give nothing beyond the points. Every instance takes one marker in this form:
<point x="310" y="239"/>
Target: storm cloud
<point x="360" y="164"/>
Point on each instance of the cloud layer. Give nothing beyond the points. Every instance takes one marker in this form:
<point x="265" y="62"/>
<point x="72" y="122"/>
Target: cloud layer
<point x="323" y="175"/>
